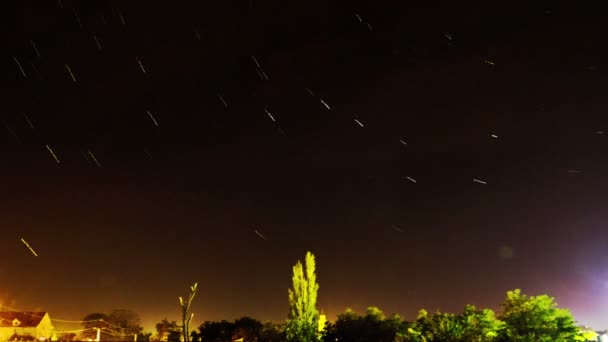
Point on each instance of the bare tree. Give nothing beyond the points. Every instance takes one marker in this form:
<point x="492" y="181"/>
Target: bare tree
<point x="185" y="306"/>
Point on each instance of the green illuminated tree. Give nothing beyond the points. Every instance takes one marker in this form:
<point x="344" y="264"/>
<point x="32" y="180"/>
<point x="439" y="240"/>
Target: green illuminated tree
<point x="536" y="318"/>
<point x="302" y="323"/>
<point x="470" y="326"/>
<point x="329" y="333"/>
<point x="481" y="325"/>
<point x="186" y="315"/>
<point x="421" y="329"/>
<point x="446" y="327"/>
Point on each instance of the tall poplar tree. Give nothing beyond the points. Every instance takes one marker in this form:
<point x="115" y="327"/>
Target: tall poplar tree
<point x="303" y="320"/>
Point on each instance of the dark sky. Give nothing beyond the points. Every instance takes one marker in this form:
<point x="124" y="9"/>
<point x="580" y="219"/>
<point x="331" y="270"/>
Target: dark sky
<point x="142" y="204"/>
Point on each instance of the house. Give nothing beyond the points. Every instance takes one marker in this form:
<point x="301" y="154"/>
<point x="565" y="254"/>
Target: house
<point x="25" y="325"/>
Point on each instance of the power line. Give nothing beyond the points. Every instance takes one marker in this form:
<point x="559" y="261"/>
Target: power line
<point x="73" y="331"/>
<point x="101" y="320"/>
<point x="113" y="325"/>
<point x="68" y="321"/>
<point x="113" y="332"/>
<point x="52" y="319"/>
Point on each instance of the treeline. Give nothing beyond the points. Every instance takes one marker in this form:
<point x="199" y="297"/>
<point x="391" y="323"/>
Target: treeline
<point x="117" y="325"/>
<point x="522" y="319"/>
<point x="247" y="328"/>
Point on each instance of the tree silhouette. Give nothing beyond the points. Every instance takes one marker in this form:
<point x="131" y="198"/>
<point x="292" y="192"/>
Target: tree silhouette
<point x="248" y="328"/>
<point x="91" y="322"/>
<point x="216" y="331"/>
<point x="168" y="331"/>
<point x="123" y="324"/>
<point x="374" y="326"/>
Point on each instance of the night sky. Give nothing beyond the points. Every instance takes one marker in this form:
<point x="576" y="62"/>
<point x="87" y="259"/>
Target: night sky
<point x="145" y="144"/>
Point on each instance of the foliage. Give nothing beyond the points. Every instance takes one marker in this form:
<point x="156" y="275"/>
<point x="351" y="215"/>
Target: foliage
<point x="168" y="331"/>
<point x="185" y="307"/>
<point x="481" y="325"/>
<point x="329" y="333"/>
<point x="93" y="321"/>
<point x="587" y="334"/>
<point x="123" y="323"/>
<point x="536" y="318"/>
<point x="272" y="332"/>
<point x="175" y="335"/>
<point x="419" y="330"/>
<point x="446" y="327"/>
<point x="248" y="328"/>
<point x="470" y="326"/>
<point x="374" y="326"/>
<point x="216" y="331"/>
<point x="302" y="323"/>
<point x="119" y="325"/>
<point x="144" y="337"/>
<point x="523" y="319"/>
